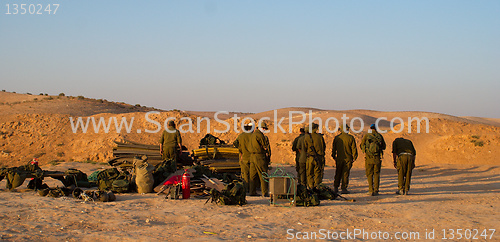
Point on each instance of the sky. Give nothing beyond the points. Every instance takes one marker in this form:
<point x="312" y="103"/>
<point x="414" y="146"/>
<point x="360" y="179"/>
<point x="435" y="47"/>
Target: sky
<point x="254" y="56"/>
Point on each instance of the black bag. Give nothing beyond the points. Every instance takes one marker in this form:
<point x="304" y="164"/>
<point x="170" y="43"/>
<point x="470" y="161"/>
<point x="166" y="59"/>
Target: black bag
<point x="209" y="139"/>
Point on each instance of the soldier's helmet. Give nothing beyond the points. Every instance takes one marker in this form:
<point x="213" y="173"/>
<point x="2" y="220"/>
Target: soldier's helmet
<point x="263" y="125"/>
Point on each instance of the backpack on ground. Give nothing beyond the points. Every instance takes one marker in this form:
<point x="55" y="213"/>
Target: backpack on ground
<point x="121" y="184"/>
<point x="233" y="194"/>
<point x="77" y="178"/>
<point x="305" y="197"/>
<point x="112" y="180"/>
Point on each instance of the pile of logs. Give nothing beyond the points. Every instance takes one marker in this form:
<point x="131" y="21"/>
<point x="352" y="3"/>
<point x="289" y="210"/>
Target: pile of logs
<point x="124" y="153"/>
<point x="218" y="159"/>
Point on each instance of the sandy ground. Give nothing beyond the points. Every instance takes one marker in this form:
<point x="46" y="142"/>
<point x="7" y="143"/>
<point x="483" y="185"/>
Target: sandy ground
<point x="442" y="197"/>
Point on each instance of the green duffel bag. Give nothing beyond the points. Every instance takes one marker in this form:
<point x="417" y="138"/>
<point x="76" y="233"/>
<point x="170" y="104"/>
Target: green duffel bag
<point x="93" y="177"/>
<point x="106" y="178"/>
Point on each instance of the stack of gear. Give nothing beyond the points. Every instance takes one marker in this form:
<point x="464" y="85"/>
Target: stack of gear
<point x="16" y="175"/>
<point x="124" y="153"/>
<point x="216" y="154"/>
<point x="113" y="180"/>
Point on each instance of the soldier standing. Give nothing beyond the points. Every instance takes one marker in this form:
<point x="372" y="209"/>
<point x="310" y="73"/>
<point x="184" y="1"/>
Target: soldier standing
<point x="243" y="145"/>
<point x="314" y="145"/>
<point x="344" y="152"/>
<point x="300" y="157"/>
<point x="373" y="145"/>
<point x="170" y="143"/>
<point x="403" y="153"/>
<point x="260" y="154"/>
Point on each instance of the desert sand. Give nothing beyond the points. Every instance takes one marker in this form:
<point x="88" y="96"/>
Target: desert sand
<point x="456" y="184"/>
<point x="442" y="197"/>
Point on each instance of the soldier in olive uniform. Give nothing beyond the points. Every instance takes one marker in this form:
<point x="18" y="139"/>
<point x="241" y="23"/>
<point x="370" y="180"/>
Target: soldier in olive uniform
<point x="170" y="143"/>
<point x="300" y="157"/>
<point x="403" y="154"/>
<point x="260" y="154"/>
<point x="243" y="145"/>
<point x="314" y="145"/>
<point x="373" y="145"/>
<point x="344" y="152"/>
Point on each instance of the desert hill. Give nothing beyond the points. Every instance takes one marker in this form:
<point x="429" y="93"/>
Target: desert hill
<point x="15" y="103"/>
<point x="42" y="128"/>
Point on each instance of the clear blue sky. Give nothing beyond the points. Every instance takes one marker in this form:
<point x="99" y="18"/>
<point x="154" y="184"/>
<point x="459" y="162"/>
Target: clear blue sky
<point x="252" y="56"/>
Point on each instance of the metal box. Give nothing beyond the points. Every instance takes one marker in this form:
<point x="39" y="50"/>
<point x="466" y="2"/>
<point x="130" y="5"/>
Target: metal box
<point x="282" y="186"/>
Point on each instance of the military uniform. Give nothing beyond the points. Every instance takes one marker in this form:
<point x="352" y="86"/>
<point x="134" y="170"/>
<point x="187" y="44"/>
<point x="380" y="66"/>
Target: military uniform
<point x="344" y="152"/>
<point x="243" y="145"/>
<point x="404" y="160"/>
<point x="260" y="152"/>
<point x="373" y="161"/>
<point x="170" y="143"/>
<point x="315" y="163"/>
<point x="300" y="159"/>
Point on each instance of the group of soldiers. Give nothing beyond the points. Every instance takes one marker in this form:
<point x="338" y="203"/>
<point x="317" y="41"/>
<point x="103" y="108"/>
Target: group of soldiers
<point x="310" y="152"/>
<point x="310" y="147"/>
<point x="255" y="157"/>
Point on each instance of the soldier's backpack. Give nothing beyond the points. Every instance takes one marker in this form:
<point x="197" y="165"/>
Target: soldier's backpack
<point x="121" y="184"/>
<point x="209" y="139"/>
<point x="233" y="194"/>
<point x="305" y="197"/>
<point x="77" y="178"/>
<point x="112" y="180"/>
<point x="374" y="146"/>
<point x="16" y="175"/>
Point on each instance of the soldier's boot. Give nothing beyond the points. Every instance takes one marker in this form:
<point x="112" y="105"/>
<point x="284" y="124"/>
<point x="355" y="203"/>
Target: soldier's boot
<point x="400" y="192"/>
<point x="336" y="190"/>
<point x="345" y="191"/>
